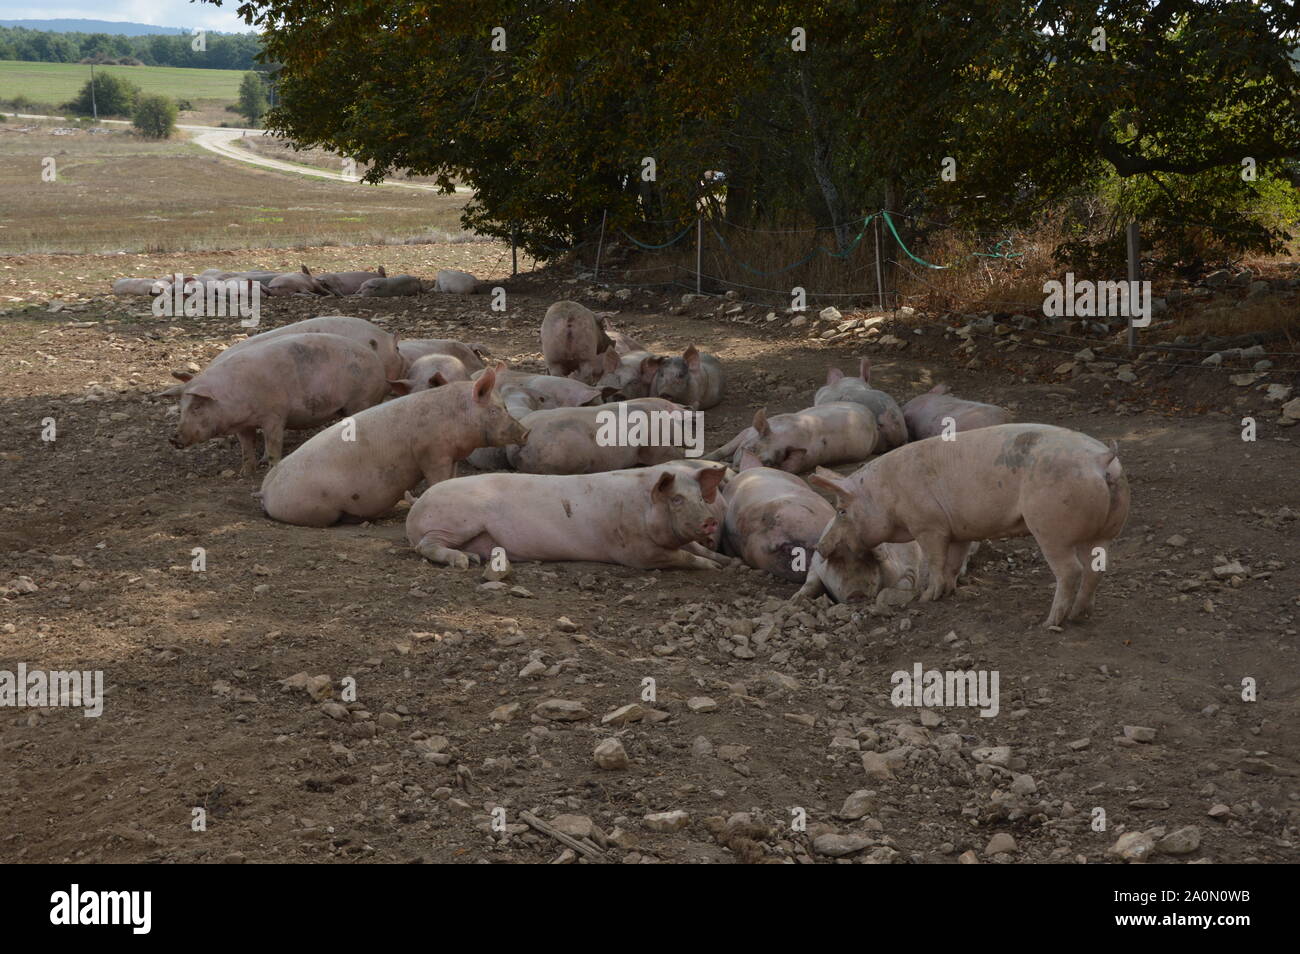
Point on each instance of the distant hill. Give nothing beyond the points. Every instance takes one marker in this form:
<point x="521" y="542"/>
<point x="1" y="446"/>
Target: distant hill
<point x="117" y="27"/>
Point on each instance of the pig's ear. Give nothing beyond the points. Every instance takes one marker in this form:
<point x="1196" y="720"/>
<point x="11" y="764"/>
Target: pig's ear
<point x="400" y="386"/>
<point x="795" y="461"/>
<point x="382" y="273"/>
<point x="760" y="422"/>
<point x="182" y="375"/>
<point x="650" y="367"/>
<point x="484" y="384"/>
<point x="203" y="390"/>
<point x="306" y="270"/>
<point x="709" y="480"/>
<point x="833" y="376"/>
<point x="939" y="389"/>
<point x="438" y="380"/>
<point x="747" y="460"/>
<point x="829" y="480"/>
<point x="611" y="360"/>
<point x="664" y="485"/>
<point x="864" y="370"/>
<point x="692" y="357"/>
<point x="611" y="394"/>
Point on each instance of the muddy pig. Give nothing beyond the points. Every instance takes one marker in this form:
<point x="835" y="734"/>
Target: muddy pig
<point x="293" y="381"/>
<point x="393" y="447"/>
<point x="773" y="519"/>
<point x="648" y="518"/>
<point x="799" y="441"/>
<point x="890" y="423"/>
<point x="1010" y="480"/>
<point x="572" y="341"/>
<point x="695" y="379"/>
<point x="925" y="414"/>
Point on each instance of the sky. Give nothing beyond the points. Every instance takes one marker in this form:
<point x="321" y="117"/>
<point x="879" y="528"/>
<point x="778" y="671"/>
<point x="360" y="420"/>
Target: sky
<point x="174" y="13"/>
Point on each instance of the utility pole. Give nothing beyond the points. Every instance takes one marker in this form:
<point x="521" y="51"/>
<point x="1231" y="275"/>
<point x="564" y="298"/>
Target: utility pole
<point x="94" y="106"/>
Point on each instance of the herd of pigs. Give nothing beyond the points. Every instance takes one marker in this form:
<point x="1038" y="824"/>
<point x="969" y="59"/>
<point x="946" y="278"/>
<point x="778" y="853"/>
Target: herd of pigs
<point x="376" y="284"/>
<point x="943" y="474"/>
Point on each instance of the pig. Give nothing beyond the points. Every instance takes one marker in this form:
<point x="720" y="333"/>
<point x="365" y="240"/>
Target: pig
<point x="688" y="466"/>
<point x="773" y="519"/>
<point x="890" y="423"/>
<point x="848" y="574"/>
<point x="627" y="376"/>
<point x="549" y="391"/>
<point x="1062" y="487"/>
<point x="396" y="445"/>
<point x="572" y="340"/>
<point x="453" y="281"/>
<point x="925" y="414"/>
<point x="568" y="440"/>
<point x="826" y="434"/>
<point x="623" y="344"/>
<point x="470" y="355"/>
<point x="296" y="283"/>
<point x="695" y="379"/>
<point x="398" y="286"/>
<point x="431" y="371"/>
<point x="348" y="283"/>
<point x="381" y="342"/>
<point x="647" y="518"/>
<point x="141" y="286"/>
<point x="292" y="381"/>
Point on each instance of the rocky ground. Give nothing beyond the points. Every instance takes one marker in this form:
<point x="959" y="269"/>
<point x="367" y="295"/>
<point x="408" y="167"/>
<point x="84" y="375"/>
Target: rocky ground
<point x="326" y="695"/>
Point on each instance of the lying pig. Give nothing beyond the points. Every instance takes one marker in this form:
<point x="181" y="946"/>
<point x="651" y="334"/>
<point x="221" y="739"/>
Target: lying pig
<point x="292" y="381"/>
<point x="296" y="283"/>
<point x="796" y="442"/>
<point x="627" y="376"/>
<point x="393" y="447"/>
<point x="695" y="379"/>
<point x="396" y="287"/>
<point x="576" y="440"/>
<point x="929" y="414"/>
<point x="431" y="371"/>
<point x="549" y="391"/>
<point x="648" y="518"/>
<point x="623" y="343"/>
<point x="470" y="355"/>
<point x="453" y="281"/>
<point x="773" y="519"/>
<point x="348" y="283"/>
<point x="1007" y="480"/>
<point x="359" y="330"/>
<point x="890" y="423"/>
<point x="849" y="574"/>
<point x="572" y="341"/>
<point x="688" y="467"/>
<point x="141" y="286"/>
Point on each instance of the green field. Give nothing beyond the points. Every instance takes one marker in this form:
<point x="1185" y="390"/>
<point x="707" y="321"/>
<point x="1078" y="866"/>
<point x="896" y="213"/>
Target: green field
<point x="56" y="83"/>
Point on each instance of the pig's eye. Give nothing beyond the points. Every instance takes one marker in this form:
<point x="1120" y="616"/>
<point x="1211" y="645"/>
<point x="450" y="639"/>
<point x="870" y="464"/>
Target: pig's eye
<point x="841" y="511"/>
<point x="678" y="499"/>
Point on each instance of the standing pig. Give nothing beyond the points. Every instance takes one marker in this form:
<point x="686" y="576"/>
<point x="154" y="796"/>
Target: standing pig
<point x="928" y="414"/>
<point x="773" y="519"/>
<point x="296" y="283"/>
<point x="470" y="355"/>
<point x="394" y="446"/>
<point x="649" y="518"/>
<point x="568" y="440"/>
<point x="1008" y="480"/>
<point x="348" y="283"/>
<point x="891" y="425"/>
<point x="572" y="339"/>
<point x="292" y="381"/>
<point x="431" y="371"/>
<point x="695" y="379"/>
<point x="398" y="286"/>
<point x="796" y="442"/>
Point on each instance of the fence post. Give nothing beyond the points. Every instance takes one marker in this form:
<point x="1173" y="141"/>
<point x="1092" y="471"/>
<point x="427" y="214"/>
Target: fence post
<point x="699" y="254"/>
<point x="1134" y="274"/>
<point x="600" y="245"/>
<point x="514" y="255"/>
<point x="880" y="284"/>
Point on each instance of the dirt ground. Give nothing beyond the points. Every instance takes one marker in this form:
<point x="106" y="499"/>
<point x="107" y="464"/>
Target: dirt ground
<point x="449" y="676"/>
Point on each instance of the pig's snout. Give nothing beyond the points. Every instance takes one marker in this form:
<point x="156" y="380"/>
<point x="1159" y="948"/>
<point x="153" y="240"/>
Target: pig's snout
<point x="708" y="527"/>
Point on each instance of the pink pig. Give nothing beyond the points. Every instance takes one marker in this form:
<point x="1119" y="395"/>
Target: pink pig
<point x="892" y="427"/>
<point x="572" y="339"/>
<point x="929" y="414"/>
<point x="796" y="442"/>
<point x="773" y="519"/>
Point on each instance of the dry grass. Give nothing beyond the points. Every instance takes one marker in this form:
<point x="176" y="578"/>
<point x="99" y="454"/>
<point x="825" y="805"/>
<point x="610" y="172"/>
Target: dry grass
<point x="115" y="191"/>
<point x="1273" y="313"/>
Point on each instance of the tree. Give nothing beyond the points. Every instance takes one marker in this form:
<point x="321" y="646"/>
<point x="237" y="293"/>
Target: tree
<point x="252" y="98"/>
<point x="113" y="96"/>
<point x="155" y="116"/>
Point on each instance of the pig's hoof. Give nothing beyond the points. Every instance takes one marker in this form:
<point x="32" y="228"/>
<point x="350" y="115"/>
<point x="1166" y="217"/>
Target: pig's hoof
<point x="1053" y="628"/>
<point x="459" y="561"/>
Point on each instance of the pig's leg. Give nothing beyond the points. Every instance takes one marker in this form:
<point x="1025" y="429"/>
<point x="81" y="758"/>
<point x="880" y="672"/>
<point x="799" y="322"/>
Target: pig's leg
<point x="273" y="436"/>
<point x="248" y="449"/>
<point x="434" y="552"/>
<point x="437" y="471"/>
<point x="681" y="560"/>
<point x="700" y="549"/>
<point x="1069" y="572"/>
<point x="954" y="565"/>
<point x="813" y="586"/>
<point x="557" y="369"/>
<point x="726" y="451"/>
<point x="935" y="547"/>
<point x="1082" y="606"/>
